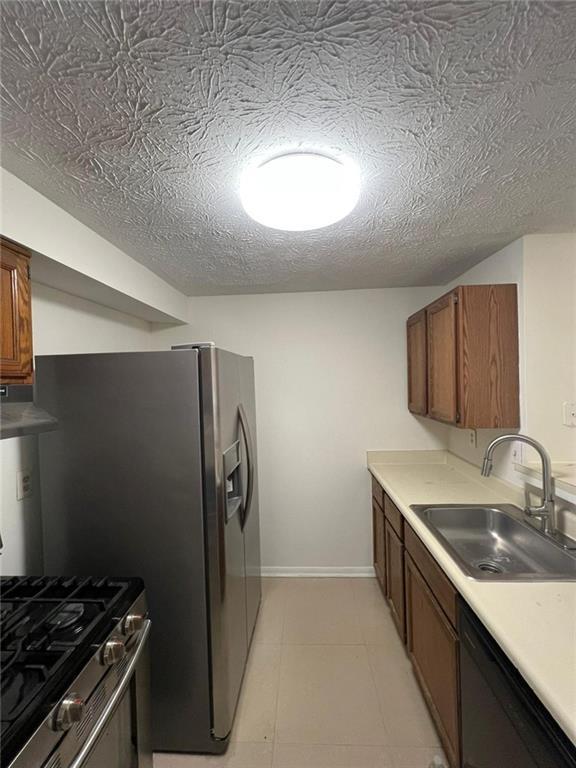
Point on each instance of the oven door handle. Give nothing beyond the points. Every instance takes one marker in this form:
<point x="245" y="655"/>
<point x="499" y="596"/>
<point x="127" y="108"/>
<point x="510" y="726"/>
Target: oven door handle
<point x="113" y="701"/>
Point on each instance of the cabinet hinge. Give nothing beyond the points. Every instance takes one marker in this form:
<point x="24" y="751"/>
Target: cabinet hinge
<point x="455" y="298"/>
<point x="28" y="270"/>
<point x="457" y="416"/>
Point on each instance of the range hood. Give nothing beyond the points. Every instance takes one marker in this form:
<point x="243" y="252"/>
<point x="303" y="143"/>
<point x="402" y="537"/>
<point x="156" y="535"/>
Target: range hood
<point x="18" y="414"/>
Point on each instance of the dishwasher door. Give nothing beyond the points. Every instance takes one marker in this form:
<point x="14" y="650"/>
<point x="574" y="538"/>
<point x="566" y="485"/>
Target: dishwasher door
<point x="503" y="721"/>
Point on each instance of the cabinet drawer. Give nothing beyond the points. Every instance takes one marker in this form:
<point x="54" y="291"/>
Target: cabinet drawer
<point x="394" y="517"/>
<point x="440" y="585"/>
<point x="378" y="493"/>
<point x="379" y="545"/>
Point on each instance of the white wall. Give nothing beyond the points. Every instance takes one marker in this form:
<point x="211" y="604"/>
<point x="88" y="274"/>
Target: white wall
<point x="330" y="384"/>
<point x="61" y="323"/>
<point x="31" y="219"/>
<point x="20" y="521"/>
<point x="550" y="339"/>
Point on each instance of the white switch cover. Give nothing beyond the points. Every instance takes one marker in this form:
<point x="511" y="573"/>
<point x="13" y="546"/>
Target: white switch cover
<point x="472" y="438"/>
<point x="23" y="484"/>
<point x="569" y="414"/>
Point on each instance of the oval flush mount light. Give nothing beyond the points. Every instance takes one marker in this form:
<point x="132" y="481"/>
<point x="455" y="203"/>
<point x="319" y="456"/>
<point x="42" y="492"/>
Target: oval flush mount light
<point x="300" y="191"/>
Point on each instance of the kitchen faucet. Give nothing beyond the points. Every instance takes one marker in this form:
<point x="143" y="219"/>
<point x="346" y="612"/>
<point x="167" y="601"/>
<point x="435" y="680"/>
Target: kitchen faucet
<point x="546" y="511"/>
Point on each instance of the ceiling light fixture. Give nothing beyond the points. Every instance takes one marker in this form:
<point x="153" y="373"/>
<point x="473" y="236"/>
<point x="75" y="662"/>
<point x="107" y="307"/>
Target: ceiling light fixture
<point x="300" y="191"/>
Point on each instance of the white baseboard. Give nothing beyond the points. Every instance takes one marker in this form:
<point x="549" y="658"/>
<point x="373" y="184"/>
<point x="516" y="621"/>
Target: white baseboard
<point x="313" y="572"/>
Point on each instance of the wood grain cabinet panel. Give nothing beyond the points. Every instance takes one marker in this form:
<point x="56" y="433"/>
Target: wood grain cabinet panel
<point x="488" y="380"/>
<point x="435" y="577"/>
<point x="394" y="516"/>
<point x="442" y="350"/>
<point x="395" y="577"/>
<point x="470" y="356"/>
<point x="417" y="363"/>
<point x="433" y="649"/>
<point x="377" y="493"/>
<point x="15" y="315"/>
<point x="379" y="545"/>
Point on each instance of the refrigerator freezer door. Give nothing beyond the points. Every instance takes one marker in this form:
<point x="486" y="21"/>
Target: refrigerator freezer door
<point x="122" y="494"/>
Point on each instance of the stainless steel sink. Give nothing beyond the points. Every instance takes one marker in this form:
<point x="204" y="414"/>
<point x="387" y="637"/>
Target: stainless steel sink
<point x="494" y="543"/>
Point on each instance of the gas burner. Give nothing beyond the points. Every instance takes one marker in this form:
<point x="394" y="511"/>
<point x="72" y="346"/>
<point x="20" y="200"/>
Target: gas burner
<point x="70" y="623"/>
<point x="68" y="615"/>
<point x="22" y="678"/>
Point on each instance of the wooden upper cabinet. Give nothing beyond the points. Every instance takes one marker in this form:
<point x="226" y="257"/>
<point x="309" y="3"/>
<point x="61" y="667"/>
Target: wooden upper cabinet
<point x="488" y="377"/>
<point x="442" y="351"/>
<point x="470" y="357"/>
<point x="15" y="314"/>
<point x="417" y="356"/>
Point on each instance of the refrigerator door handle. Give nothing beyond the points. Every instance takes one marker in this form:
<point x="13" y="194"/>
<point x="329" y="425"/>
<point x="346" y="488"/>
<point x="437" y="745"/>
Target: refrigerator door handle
<point x="250" y="459"/>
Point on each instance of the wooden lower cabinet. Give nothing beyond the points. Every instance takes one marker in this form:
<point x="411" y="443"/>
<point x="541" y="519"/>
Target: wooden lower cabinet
<point x="378" y="544"/>
<point x="395" y="577"/>
<point x="423" y="604"/>
<point x="432" y="645"/>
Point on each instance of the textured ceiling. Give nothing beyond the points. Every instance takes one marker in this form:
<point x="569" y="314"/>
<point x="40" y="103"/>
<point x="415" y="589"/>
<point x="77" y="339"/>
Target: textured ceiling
<point x="138" y="118"/>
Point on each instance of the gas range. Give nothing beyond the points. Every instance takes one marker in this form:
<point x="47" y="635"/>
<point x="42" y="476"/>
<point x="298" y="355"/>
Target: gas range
<point x="68" y="647"/>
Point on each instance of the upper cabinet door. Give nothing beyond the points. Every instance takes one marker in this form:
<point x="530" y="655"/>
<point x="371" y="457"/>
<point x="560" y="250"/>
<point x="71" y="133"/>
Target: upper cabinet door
<point x="15" y="313"/>
<point x="488" y="356"/>
<point x="417" y="354"/>
<point x="442" y="359"/>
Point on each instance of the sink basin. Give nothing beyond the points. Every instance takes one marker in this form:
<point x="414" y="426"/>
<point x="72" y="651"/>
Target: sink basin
<point x="495" y="544"/>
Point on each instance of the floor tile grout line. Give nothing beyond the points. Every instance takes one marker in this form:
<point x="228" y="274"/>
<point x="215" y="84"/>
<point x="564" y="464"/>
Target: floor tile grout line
<point x="375" y="685"/>
<point x="282" y="646"/>
<point x="357" y="611"/>
<point x="388" y="749"/>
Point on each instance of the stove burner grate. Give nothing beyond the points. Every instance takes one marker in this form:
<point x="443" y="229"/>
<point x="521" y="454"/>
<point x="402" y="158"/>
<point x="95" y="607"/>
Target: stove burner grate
<point x="50" y="627"/>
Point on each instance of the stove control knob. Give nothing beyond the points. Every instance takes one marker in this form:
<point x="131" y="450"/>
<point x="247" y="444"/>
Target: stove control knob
<point x="70" y="711"/>
<point x="132" y="623"/>
<point x="114" y="650"/>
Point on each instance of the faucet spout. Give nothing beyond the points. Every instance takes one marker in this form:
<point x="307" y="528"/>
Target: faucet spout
<point x="546" y="511"/>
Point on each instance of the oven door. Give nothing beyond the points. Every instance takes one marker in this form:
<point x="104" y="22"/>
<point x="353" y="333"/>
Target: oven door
<point x="119" y="735"/>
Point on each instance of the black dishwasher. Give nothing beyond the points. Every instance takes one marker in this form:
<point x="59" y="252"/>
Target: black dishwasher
<point x="504" y="725"/>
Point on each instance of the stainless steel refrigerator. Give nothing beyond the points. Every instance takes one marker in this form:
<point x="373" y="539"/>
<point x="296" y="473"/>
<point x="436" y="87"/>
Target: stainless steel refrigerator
<point x="152" y="472"/>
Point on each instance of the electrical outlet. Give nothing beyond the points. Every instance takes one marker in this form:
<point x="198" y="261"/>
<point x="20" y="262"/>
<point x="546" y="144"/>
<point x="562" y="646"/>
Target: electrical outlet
<point x="23" y="484"/>
<point x="569" y="414"/>
<point x="472" y="441"/>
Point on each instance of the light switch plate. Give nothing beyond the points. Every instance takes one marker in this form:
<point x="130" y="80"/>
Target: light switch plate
<point x="569" y="414"/>
<point x="23" y="484"/>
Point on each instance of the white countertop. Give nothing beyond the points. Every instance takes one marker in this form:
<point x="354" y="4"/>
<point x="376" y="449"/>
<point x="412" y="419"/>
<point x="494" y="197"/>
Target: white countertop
<point x="534" y="623"/>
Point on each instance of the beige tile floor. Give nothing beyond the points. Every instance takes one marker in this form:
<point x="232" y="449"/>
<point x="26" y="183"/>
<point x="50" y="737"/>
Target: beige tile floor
<point x="328" y="685"/>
